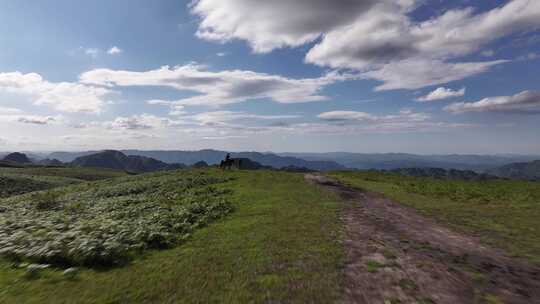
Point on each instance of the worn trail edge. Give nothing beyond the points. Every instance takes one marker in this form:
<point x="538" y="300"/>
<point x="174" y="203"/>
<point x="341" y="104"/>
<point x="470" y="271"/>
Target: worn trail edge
<point x="395" y="255"/>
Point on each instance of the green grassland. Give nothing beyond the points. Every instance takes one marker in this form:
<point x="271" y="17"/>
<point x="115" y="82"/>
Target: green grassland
<point x="15" y="181"/>
<point x="85" y="174"/>
<point x="14" y="185"/>
<point x="188" y="236"/>
<point x="502" y="213"/>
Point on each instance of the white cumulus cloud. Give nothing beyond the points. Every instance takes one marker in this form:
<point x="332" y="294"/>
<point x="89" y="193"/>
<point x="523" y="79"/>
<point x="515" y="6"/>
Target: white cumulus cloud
<point x="138" y="122"/>
<point x="114" y="50"/>
<point x="62" y="96"/>
<point x="9" y="111"/>
<point x="419" y="73"/>
<point x="372" y="37"/>
<point x="405" y="115"/>
<point x="218" y="88"/>
<point x="525" y="102"/>
<point x="268" y="25"/>
<point x="355" y="122"/>
<point x="442" y="93"/>
<point x="223" y="117"/>
<point x="36" y="120"/>
<point x="92" y="52"/>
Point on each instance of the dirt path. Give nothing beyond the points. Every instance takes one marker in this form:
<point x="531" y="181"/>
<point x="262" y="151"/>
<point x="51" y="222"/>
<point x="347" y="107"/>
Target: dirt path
<point x="394" y="255"/>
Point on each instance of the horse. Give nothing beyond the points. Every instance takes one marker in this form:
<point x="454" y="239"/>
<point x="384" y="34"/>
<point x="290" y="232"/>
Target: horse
<point x="230" y="164"/>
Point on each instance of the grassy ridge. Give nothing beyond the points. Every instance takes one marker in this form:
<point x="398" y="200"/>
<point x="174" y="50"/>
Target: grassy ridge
<point x="15" y="185"/>
<point x="280" y="245"/>
<point x="503" y="213"/>
<point x="16" y="181"/>
<point x="85" y="174"/>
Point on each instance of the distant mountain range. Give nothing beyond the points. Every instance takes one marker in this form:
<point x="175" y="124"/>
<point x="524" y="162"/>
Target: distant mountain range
<point x="328" y="161"/>
<point x="17" y="157"/>
<point x="213" y="157"/>
<point x="117" y="160"/>
<point x="390" y="161"/>
<point x="507" y="166"/>
<point x="524" y="171"/>
<point x="440" y="173"/>
<point x="49" y="162"/>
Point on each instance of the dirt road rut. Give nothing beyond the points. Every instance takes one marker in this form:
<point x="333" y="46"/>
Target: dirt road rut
<point x="394" y="255"/>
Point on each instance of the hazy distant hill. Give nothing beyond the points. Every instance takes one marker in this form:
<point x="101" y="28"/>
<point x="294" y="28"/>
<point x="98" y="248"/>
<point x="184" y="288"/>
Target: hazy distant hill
<point x="200" y="165"/>
<point x="67" y="157"/>
<point x="17" y="157"/>
<point x="214" y="157"/>
<point x="296" y="169"/>
<point x="526" y="171"/>
<point x="327" y="161"/>
<point x="390" y="161"/>
<point x="211" y="157"/>
<point x="117" y="160"/>
<point x="50" y="162"/>
<point x="276" y="161"/>
<point x="440" y="173"/>
<point x="248" y="164"/>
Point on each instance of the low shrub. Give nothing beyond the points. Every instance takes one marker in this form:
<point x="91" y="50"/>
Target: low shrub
<point x="47" y="200"/>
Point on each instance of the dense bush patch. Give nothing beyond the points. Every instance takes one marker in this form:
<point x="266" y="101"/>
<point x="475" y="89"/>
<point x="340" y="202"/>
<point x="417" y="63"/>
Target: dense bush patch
<point x="107" y="222"/>
<point x="13" y="186"/>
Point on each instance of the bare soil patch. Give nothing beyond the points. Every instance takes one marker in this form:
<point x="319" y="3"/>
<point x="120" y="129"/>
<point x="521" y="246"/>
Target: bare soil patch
<point x="395" y="255"/>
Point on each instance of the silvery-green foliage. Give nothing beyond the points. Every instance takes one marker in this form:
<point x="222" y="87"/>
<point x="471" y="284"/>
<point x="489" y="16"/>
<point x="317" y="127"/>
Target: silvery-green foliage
<point x="33" y="270"/>
<point x="106" y="223"/>
<point x="71" y="272"/>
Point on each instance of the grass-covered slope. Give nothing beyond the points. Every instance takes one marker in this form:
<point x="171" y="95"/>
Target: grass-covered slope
<point x="83" y="174"/>
<point x="16" y="181"/>
<point x="15" y="185"/>
<point x="524" y="171"/>
<point x="105" y="223"/>
<point x="501" y="212"/>
<point x="279" y="245"/>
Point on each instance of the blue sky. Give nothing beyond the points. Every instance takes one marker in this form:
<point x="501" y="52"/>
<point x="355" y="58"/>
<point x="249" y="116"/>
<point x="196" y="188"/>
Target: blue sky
<point x="304" y="76"/>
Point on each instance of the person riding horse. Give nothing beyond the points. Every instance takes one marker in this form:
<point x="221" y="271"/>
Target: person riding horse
<point x="229" y="163"/>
